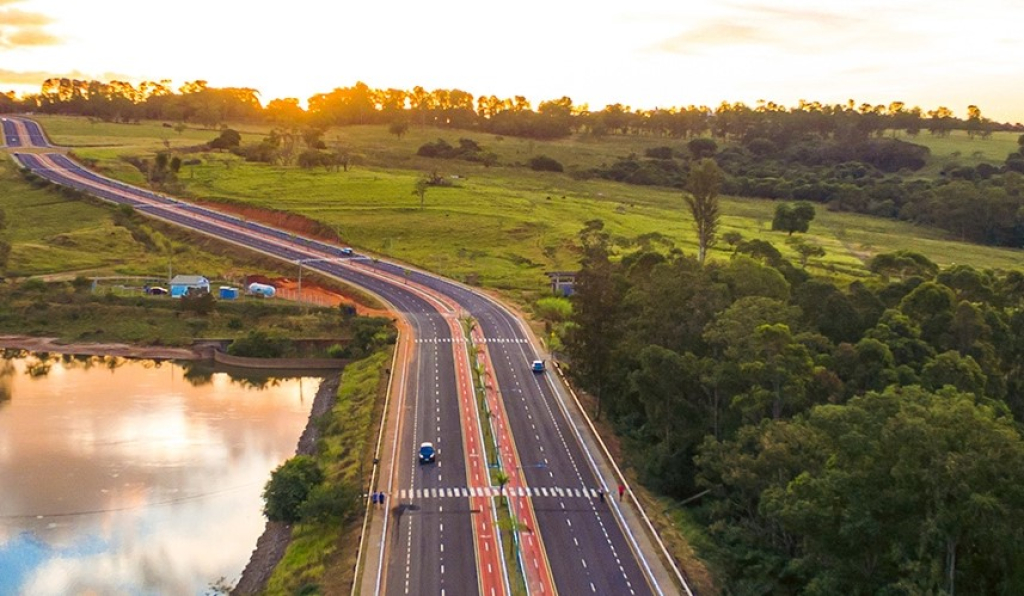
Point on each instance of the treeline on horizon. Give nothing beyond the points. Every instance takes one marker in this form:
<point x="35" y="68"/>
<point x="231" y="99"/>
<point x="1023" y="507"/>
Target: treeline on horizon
<point x="832" y="438"/>
<point x="196" y="102"/>
<point x="844" y="156"/>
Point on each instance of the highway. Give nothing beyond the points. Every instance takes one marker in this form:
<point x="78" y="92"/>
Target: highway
<point x="441" y="536"/>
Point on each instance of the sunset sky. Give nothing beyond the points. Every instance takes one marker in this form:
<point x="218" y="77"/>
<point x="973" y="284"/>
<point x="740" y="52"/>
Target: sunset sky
<point x="642" y="53"/>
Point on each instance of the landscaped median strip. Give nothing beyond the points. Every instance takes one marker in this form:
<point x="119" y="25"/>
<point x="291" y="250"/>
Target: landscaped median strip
<point x="490" y="566"/>
<point x="522" y="521"/>
<point x="506" y="521"/>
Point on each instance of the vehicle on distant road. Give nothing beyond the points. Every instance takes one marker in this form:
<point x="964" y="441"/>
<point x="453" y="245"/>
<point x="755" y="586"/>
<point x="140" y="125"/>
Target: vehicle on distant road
<point x="347" y="251"/>
<point x="427" y="453"/>
<point x="537" y="366"/>
<point x="156" y="291"/>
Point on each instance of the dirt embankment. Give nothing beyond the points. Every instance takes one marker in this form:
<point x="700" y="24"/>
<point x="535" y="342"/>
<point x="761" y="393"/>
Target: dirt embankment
<point x="52" y="345"/>
<point x="276" y="535"/>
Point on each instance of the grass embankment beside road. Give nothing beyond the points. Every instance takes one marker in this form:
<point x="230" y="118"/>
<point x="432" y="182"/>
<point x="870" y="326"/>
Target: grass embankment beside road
<point x="321" y="556"/>
<point x="504" y="226"/>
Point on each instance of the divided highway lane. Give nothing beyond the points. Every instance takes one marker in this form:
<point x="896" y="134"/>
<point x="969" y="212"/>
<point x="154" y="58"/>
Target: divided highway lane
<point x="17" y="130"/>
<point x="588" y="549"/>
<point x="434" y="545"/>
<point x="432" y="539"/>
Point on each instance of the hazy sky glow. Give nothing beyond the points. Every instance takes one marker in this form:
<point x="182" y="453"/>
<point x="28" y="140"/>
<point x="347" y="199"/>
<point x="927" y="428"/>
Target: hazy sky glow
<point x="643" y="53"/>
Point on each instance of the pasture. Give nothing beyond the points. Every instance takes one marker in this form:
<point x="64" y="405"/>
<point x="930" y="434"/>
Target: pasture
<point x="504" y="226"/>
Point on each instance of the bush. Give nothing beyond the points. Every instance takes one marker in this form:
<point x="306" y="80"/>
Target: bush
<point x="228" y="138"/>
<point x="659" y="153"/>
<point x="330" y="502"/>
<point x="257" y="344"/>
<point x="289" y="487"/>
<point x="543" y="163"/>
<point x="198" y="302"/>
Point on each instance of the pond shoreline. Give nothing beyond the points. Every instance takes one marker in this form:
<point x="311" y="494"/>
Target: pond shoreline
<point x="272" y="543"/>
<point x="52" y="344"/>
<point x="271" y="546"/>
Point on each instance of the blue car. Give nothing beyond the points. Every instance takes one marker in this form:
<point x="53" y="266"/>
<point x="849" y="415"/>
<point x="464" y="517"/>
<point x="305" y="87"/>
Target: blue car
<point x="427" y="453"/>
<point x="537" y="366"/>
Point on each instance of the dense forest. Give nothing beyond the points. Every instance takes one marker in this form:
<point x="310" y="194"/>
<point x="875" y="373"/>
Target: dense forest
<point x="844" y="156"/>
<point x="860" y="438"/>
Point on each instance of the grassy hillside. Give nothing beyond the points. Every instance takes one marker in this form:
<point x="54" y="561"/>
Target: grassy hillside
<point x="505" y="225"/>
<point x="51" y="232"/>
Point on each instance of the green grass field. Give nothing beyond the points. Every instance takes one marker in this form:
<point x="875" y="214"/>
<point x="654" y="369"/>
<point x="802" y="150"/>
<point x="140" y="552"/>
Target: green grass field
<point x="961" y="150"/>
<point x="504" y="226"/>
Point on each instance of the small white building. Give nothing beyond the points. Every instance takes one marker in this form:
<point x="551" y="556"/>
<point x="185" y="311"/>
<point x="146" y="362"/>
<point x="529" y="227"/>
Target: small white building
<point x="181" y="284"/>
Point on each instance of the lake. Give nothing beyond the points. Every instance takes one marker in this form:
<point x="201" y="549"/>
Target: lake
<point x="136" y="477"/>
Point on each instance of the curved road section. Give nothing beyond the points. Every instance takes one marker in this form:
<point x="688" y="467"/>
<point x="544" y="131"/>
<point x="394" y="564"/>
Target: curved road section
<point x="575" y="535"/>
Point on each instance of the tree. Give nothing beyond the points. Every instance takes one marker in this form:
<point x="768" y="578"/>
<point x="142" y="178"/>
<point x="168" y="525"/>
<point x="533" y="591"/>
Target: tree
<point x="228" y="139"/>
<point x="950" y="368"/>
<point x="902" y="263"/>
<point x="702" y="186"/>
<point x="197" y="301"/>
<point x="793" y="218"/>
<point x="732" y="238"/>
<point x="502" y="479"/>
<point x="420" y="189"/>
<point x="543" y="163"/>
<point x="289" y="487"/>
<point x="806" y="250"/>
<point x="702" y="147"/>
<point x="592" y="339"/>
<point x="779" y="374"/>
<point x="399" y="127"/>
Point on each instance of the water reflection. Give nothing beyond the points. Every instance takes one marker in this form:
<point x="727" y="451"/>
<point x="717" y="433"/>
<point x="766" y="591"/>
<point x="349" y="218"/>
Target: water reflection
<point x="135" y="477"/>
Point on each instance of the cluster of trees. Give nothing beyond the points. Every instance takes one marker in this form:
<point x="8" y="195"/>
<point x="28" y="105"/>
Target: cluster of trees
<point x="467" y="150"/>
<point x="196" y="102"/>
<point x="874" y="176"/>
<point x="856" y="438"/>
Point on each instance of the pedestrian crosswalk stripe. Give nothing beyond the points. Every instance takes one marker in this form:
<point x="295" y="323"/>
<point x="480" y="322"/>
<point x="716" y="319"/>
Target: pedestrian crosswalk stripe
<point x="494" y="491"/>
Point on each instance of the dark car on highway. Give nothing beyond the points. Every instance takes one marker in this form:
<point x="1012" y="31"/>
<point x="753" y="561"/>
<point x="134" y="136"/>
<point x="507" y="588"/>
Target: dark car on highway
<point x="427" y="453"/>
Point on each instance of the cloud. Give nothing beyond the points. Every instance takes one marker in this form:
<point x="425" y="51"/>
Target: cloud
<point x="771" y="27"/>
<point x="24" y="29"/>
<point x="21" y="18"/>
<point x="718" y="33"/>
<point x="29" y="36"/>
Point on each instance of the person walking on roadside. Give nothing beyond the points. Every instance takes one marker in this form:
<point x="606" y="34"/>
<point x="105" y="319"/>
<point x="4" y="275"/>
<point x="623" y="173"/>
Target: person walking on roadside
<point x="622" y="490"/>
<point x="600" y="494"/>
